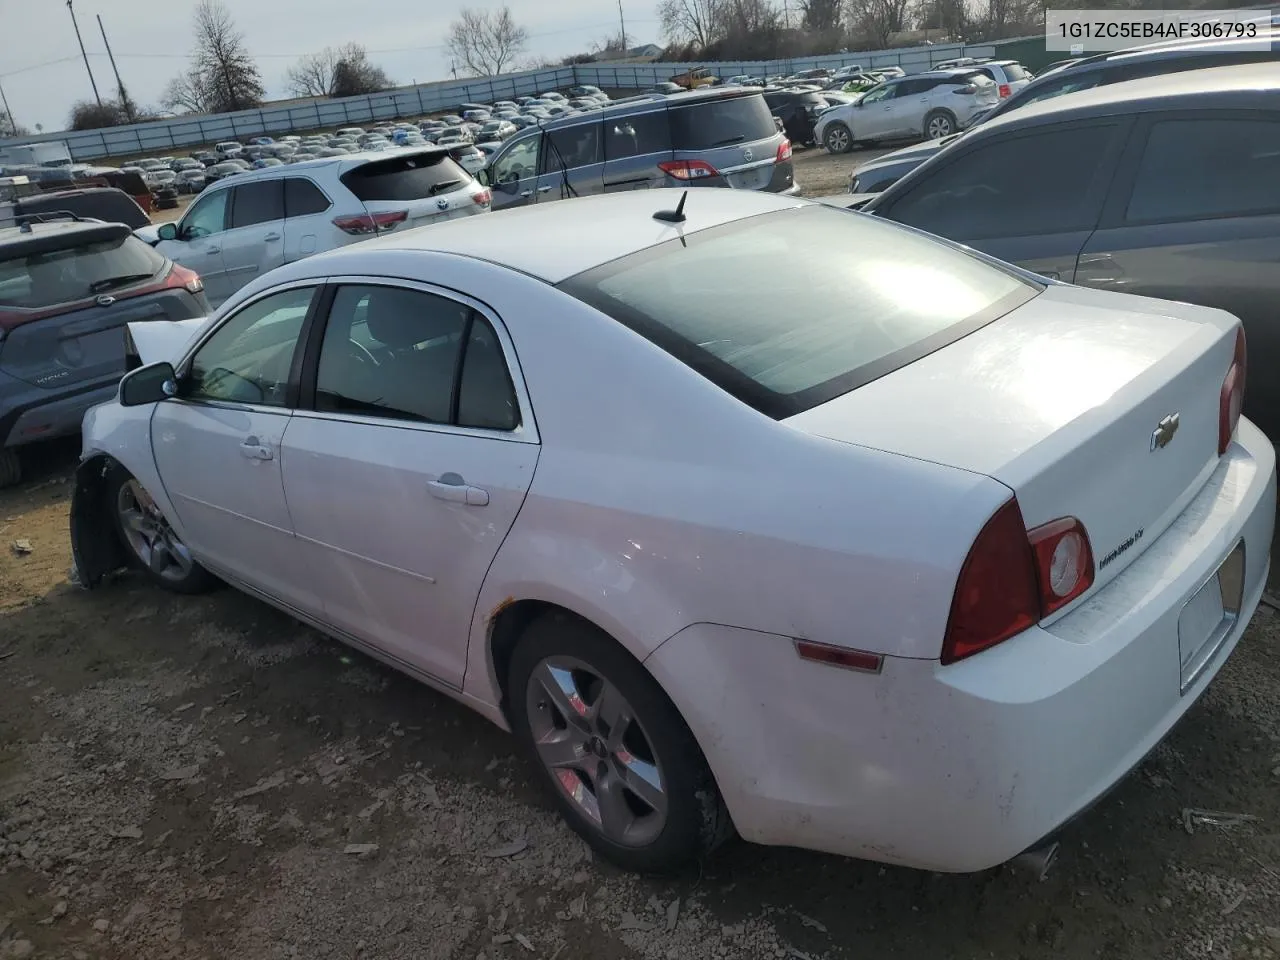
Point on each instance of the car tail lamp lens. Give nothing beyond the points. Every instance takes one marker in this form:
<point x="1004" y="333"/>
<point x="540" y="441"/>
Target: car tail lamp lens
<point x="688" y="169"/>
<point x="367" y="224"/>
<point x="483" y="197"/>
<point x="1005" y="90"/>
<point x="189" y="280"/>
<point x="784" y="152"/>
<point x="1013" y="578"/>
<point x="1231" y="399"/>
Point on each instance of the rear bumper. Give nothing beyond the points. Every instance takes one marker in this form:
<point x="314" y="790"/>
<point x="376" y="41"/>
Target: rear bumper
<point x="29" y="414"/>
<point x="960" y="768"/>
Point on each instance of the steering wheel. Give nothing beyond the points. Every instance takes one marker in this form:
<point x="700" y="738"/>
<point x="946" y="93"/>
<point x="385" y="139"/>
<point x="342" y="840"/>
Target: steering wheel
<point x="361" y="353"/>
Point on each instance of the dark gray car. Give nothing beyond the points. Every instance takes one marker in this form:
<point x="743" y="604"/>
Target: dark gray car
<point x="1104" y="68"/>
<point x="704" y="138"/>
<point x="1164" y="187"/>
<point x="67" y="289"/>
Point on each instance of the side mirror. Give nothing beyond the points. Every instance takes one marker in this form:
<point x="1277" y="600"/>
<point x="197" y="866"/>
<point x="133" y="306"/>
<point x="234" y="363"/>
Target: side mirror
<point x="149" y="384"/>
<point x="167" y="231"/>
<point x="482" y="177"/>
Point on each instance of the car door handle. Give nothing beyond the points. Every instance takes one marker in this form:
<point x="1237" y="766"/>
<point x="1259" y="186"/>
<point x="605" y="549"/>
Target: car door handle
<point x="544" y="189"/>
<point x="272" y="236"/>
<point x="255" y="449"/>
<point x="212" y="249"/>
<point x="526" y="193"/>
<point x="453" y="488"/>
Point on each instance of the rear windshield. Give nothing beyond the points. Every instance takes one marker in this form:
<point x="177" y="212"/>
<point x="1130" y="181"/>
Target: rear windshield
<point x="47" y="279"/>
<point x="721" y="123"/>
<point x="404" y="178"/>
<point x="788" y="310"/>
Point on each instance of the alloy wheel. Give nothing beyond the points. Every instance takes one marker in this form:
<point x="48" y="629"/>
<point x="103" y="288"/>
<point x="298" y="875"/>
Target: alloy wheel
<point x="939" y="126"/>
<point x="595" y="747"/>
<point x="149" y="535"/>
<point x="838" y="139"/>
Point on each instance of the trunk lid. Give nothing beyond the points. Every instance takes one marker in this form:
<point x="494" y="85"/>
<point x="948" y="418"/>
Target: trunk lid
<point x="1062" y="400"/>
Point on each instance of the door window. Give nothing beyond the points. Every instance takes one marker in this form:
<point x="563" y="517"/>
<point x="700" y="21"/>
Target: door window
<point x="518" y="163"/>
<point x="636" y="135"/>
<point x="206" y="217"/>
<point x="258" y="202"/>
<point x="247" y="360"/>
<point x="881" y="93"/>
<point x="572" y="147"/>
<point x="1196" y="169"/>
<point x="409" y="355"/>
<point x="302" y="198"/>
<point x="1020" y="186"/>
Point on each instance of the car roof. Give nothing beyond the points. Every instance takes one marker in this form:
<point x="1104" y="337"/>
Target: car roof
<point x="359" y="158"/>
<point x="1171" y="49"/>
<point x="556" y="241"/>
<point x="1188" y="88"/>
<point x="656" y="101"/>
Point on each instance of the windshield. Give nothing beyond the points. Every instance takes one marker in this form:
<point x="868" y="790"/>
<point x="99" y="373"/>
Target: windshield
<point x="39" y="280"/>
<point x="762" y="308"/>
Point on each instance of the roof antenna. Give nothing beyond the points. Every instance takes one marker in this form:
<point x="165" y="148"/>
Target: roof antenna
<point x="676" y="215"/>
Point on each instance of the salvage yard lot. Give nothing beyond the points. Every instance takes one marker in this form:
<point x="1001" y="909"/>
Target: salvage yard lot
<point x="203" y="777"/>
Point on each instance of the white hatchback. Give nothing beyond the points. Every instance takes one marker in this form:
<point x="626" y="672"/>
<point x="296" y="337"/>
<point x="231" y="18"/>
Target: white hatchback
<point x="909" y="555"/>
<point x="239" y="229"/>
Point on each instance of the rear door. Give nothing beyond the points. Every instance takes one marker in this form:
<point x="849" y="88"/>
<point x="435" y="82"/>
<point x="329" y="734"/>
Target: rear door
<point x="1031" y="197"/>
<point x="414" y="184"/>
<point x="572" y="162"/>
<point x="1195" y="216"/>
<point x="254" y="243"/>
<point x="734" y="135"/>
<point x="308" y="227"/>
<point x="634" y="145"/>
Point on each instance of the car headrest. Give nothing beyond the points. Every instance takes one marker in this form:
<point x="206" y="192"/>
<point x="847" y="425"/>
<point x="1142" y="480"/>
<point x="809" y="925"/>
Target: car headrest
<point x="403" y="318"/>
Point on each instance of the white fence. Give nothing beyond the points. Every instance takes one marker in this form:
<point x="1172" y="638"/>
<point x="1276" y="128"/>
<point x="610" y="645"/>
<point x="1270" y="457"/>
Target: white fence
<point x="163" y="136"/>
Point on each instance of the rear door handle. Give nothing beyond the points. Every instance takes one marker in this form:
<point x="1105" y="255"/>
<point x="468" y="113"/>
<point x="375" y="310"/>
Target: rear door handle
<point x="453" y="488"/>
<point x="212" y="249"/>
<point x="255" y="449"/>
<point x="544" y="189"/>
<point x="272" y="236"/>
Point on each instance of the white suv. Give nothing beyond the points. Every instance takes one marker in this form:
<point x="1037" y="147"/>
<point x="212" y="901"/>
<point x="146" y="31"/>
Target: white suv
<point x="930" y="105"/>
<point x="243" y="226"/>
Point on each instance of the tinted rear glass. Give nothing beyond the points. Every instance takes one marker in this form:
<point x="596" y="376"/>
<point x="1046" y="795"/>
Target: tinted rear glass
<point x="402" y="178"/>
<point x="76" y="273"/>
<point x="721" y="123"/>
<point x="776" y="311"/>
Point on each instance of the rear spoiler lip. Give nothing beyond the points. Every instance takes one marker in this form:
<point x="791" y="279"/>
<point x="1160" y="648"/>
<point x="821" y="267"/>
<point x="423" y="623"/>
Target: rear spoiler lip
<point x="52" y="240"/>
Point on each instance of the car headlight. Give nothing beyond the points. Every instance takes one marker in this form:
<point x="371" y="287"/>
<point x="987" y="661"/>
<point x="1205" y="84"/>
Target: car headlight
<point x="853" y="185"/>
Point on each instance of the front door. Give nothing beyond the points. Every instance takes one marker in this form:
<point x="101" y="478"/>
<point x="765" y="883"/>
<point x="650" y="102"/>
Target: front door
<point x="513" y="175"/>
<point x="199" y="243"/>
<point x="874" y="116"/>
<point x="217" y="447"/>
<point x="400" y="493"/>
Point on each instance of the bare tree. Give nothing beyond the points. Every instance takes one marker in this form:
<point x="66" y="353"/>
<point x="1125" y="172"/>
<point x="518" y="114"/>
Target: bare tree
<point x="612" y="46"/>
<point x="696" y="23"/>
<point x="486" y="42"/>
<point x="821" y="16"/>
<point x="878" y="20"/>
<point x="222" y="75"/>
<point x="10" y="129"/>
<point x="343" y="71"/>
<point x="89" y="115"/>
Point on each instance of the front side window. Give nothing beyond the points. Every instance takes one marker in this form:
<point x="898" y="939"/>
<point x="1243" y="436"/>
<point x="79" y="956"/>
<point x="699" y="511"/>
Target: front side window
<point x="1204" y="168"/>
<point x="518" y="163"/>
<point x="763" y="309"/>
<point x="247" y="360"/>
<point x="207" y="217"/>
<point x="1043" y="187"/>
<point x="259" y="201"/>
<point x="877" y="94"/>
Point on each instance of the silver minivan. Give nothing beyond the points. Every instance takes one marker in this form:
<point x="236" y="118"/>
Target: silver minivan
<point x="720" y="138"/>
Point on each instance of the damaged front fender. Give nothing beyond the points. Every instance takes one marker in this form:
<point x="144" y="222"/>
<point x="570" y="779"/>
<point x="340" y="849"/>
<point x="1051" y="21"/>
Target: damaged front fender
<point x="95" y="547"/>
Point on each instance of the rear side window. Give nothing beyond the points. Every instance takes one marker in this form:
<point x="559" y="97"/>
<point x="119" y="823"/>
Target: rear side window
<point x="577" y="146"/>
<point x="762" y="308"/>
<point x="257" y="202"/>
<point x="637" y="135"/>
<point x="1199" y="169"/>
<point x="76" y="273"/>
<point x="1038" y="183"/>
<point x="1016" y="71"/>
<point x="404" y="178"/>
<point x="302" y="197"/>
<point x="721" y="123"/>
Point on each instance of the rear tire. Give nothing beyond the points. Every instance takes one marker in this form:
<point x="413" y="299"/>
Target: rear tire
<point x="10" y="467"/>
<point x="623" y="768"/>
<point x="939" y="124"/>
<point x="151" y="545"/>
<point x="838" y="138"/>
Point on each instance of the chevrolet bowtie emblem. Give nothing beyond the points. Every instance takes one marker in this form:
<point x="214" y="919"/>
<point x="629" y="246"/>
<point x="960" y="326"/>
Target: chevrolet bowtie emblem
<point x="1164" y="431"/>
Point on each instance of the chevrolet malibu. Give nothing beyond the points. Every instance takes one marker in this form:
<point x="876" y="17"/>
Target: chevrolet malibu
<point x="908" y="556"/>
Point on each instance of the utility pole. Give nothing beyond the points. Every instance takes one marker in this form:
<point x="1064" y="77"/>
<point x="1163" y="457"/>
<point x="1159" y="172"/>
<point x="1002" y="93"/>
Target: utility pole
<point x="622" y="25"/>
<point x="125" y="102"/>
<point x="80" y="40"/>
<point x="13" y="124"/>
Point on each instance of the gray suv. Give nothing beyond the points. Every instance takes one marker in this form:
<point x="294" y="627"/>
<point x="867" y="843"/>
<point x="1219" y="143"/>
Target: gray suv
<point x="720" y="138"/>
<point x="67" y="289"/>
<point x="1163" y="187"/>
<point x="1114" y="67"/>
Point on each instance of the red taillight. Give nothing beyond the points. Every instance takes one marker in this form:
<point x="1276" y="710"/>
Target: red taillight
<point x="1005" y="90"/>
<point x="482" y="197"/>
<point x="1231" y="399"/>
<point x="688" y="169"/>
<point x="180" y="276"/>
<point x="784" y="152"/>
<point x="1013" y="578"/>
<point x="365" y="224"/>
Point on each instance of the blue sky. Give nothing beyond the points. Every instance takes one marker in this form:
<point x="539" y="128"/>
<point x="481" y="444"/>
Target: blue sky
<point x="42" y="73"/>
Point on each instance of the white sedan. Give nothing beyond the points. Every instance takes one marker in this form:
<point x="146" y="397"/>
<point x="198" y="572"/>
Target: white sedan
<point x="907" y="555"/>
